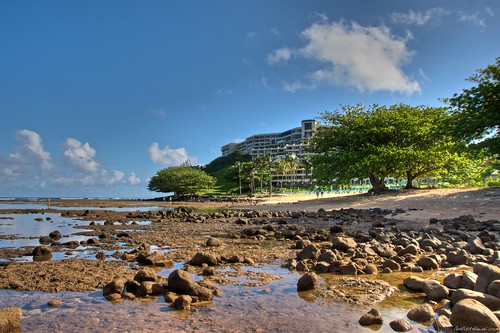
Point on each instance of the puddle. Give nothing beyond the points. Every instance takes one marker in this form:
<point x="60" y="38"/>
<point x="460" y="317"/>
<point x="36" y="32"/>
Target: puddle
<point x="23" y="230"/>
<point x="274" y="307"/>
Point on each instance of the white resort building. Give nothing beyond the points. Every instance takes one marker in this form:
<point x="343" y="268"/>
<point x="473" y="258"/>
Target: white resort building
<point x="293" y="142"/>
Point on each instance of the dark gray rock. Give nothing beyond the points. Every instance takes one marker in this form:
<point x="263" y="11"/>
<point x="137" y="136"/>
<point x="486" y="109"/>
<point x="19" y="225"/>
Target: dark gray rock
<point x="182" y="302"/>
<point x="372" y="317"/>
<point x="146" y="274"/>
<point x="400" y="325"/>
<point x="472" y="316"/>
<point x="307" y="281"/>
<point x="485" y="276"/>
<point x="422" y="313"/>
<point x="201" y="258"/>
<point x="490" y="301"/>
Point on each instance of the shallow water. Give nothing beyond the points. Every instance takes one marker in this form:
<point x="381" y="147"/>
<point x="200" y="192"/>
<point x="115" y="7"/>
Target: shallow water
<point x="27" y="230"/>
<point x="12" y="205"/>
<point x="275" y="307"/>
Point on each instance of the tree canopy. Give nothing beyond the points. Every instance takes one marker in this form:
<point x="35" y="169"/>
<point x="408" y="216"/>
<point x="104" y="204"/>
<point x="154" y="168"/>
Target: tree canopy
<point x="378" y="141"/>
<point x="476" y="110"/>
<point x="181" y="180"/>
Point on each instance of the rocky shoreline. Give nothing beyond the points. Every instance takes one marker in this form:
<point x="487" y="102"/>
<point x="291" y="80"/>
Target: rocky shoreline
<point x="350" y="244"/>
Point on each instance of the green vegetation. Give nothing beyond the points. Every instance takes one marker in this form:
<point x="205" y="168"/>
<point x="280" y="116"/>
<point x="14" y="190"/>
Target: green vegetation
<point x="458" y="145"/>
<point x="476" y="110"/>
<point x="376" y="142"/>
<point x="226" y="177"/>
<point x="183" y="180"/>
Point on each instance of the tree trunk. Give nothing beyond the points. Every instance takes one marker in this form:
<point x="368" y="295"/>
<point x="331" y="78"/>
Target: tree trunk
<point x="409" y="181"/>
<point x="378" y="185"/>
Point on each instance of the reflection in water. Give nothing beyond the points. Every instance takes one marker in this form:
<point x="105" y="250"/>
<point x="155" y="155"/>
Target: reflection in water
<point x="29" y="227"/>
<point x="275" y="307"/>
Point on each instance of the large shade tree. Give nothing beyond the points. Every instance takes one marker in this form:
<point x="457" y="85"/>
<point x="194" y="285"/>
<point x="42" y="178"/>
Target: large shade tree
<point x="183" y="180"/>
<point x="378" y="141"/>
<point x="476" y="110"/>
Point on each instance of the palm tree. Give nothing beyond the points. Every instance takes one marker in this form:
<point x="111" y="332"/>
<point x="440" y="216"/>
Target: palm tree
<point x="239" y="166"/>
<point x="259" y="165"/>
<point x="293" y="164"/>
<point x="283" y="170"/>
<point x="270" y="164"/>
<point x="250" y="173"/>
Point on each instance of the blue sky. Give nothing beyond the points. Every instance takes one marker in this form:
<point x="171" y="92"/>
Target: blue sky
<point x="97" y="96"/>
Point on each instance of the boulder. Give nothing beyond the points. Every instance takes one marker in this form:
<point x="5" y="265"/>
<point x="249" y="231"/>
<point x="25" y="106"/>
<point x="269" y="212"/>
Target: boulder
<point x="485" y="276"/>
<point x="307" y="281"/>
<point x="309" y="252"/>
<point x="202" y="293"/>
<point x="392" y="264"/>
<point x="443" y="324"/>
<point x="328" y="256"/>
<point x="475" y="245"/>
<point x="469" y="280"/>
<point x="148" y="288"/>
<point x="45" y="240"/>
<point x="410" y="249"/>
<point x="321" y="267"/>
<point x="400" y="325"/>
<point x="453" y="281"/>
<point x="10" y="319"/>
<point x="117" y="286"/>
<point x="55" y="302"/>
<point x="42" y="251"/>
<point x="372" y="317"/>
<point x="201" y="258"/>
<point x="56" y="235"/>
<point x="179" y="281"/>
<point x="146" y="274"/>
<point x="490" y="301"/>
<point x="469" y="315"/>
<point x="157" y="259"/>
<point x="370" y="269"/>
<point x="422" y="313"/>
<point x="343" y="243"/>
<point x="183" y="302"/>
<point x="214" y="242"/>
<point x="302" y="243"/>
<point x="434" y="290"/>
<point x="427" y="263"/>
<point x="460" y="257"/>
<point x="494" y="288"/>
<point x="414" y="283"/>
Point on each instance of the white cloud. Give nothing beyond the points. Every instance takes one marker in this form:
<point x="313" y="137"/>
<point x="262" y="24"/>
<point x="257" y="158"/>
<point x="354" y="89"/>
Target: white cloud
<point x="113" y="177"/>
<point x="279" y="55"/>
<point x="80" y="156"/>
<point x="224" y="92"/>
<point x="167" y="155"/>
<point x="29" y="167"/>
<point x="251" y="35"/>
<point x="133" y="179"/>
<point x="275" y="32"/>
<point x="368" y="58"/>
<point x="424" y="75"/>
<point x="295" y="85"/>
<point x="33" y="149"/>
<point x="432" y="15"/>
<point x="475" y="19"/>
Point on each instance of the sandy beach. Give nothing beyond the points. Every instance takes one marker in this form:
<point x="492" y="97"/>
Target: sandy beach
<point x="420" y="205"/>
